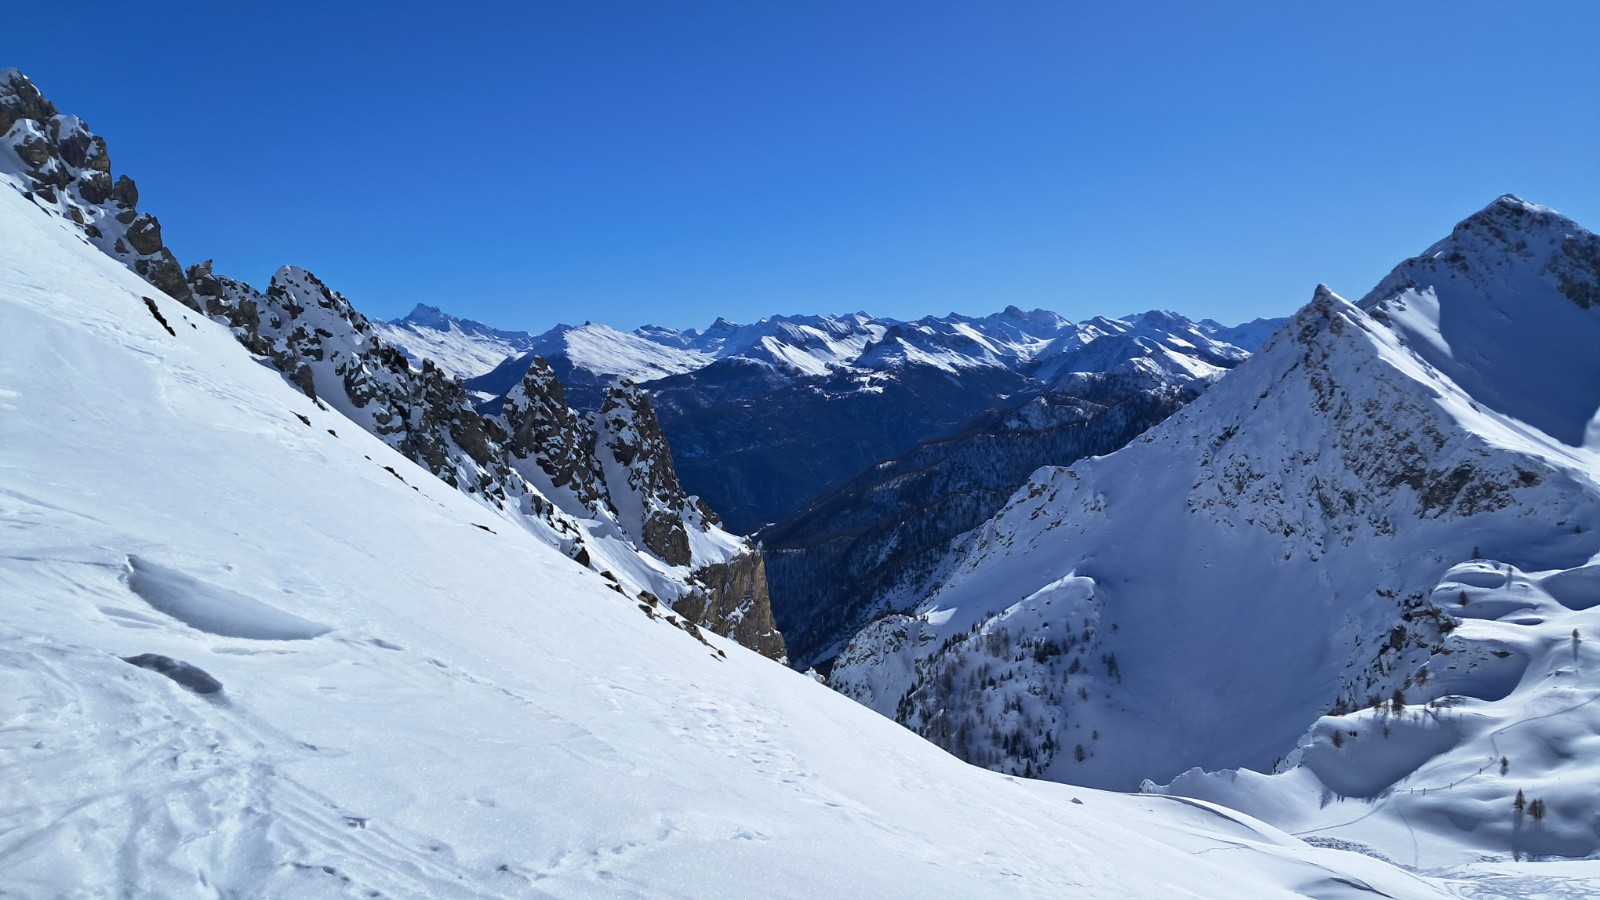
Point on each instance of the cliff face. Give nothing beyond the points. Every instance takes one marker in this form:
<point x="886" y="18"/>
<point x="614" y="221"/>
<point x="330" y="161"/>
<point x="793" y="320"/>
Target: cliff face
<point x="644" y="487"/>
<point x="731" y="599"/>
<point x="551" y="444"/>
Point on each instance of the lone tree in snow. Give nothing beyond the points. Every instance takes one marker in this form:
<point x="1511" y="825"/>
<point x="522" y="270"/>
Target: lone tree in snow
<point x="1505" y="765"/>
<point x="1536" y="810"/>
<point x="1080" y="754"/>
<point x="1520" y="803"/>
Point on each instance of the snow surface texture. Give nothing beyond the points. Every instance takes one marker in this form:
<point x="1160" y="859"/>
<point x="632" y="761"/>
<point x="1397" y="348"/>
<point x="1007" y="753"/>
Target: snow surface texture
<point x="1425" y="781"/>
<point x="483" y="716"/>
<point x="1287" y="546"/>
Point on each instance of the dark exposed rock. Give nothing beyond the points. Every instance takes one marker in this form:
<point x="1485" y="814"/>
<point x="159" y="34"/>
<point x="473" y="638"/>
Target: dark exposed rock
<point x="22" y="100"/>
<point x="69" y="169"/>
<point x="192" y="678"/>
<point x="125" y="192"/>
<point x="627" y="430"/>
<point x="144" y="234"/>
<point x="544" y="430"/>
<point x="95" y="187"/>
<point x="732" y="600"/>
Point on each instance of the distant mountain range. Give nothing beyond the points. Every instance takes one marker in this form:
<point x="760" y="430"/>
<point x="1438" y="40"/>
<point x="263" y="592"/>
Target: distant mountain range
<point x="858" y="446"/>
<point x="765" y="417"/>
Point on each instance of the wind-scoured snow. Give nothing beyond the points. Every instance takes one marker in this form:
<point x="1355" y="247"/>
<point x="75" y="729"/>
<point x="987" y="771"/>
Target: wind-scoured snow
<point x="484" y="717"/>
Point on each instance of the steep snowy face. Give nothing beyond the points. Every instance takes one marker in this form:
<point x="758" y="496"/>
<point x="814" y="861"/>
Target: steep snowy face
<point x="64" y="167"/>
<point x="249" y="650"/>
<point x="1201" y="596"/>
<point x="1506" y="307"/>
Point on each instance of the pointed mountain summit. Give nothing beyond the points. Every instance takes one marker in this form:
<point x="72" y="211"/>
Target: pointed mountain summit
<point x="1269" y="553"/>
<point x="1508" y="307"/>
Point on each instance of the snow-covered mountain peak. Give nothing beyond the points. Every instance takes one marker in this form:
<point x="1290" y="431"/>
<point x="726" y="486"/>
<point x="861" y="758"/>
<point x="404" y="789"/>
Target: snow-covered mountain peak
<point x="1508" y="306"/>
<point x="462" y="347"/>
<point x="1289" y="521"/>
<point x="429" y="316"/>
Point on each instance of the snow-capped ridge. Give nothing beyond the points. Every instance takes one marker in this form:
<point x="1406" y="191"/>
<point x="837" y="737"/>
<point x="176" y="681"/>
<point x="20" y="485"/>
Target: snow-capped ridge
<point x="1302" y="507"/>
<point x="1508" y="306"/>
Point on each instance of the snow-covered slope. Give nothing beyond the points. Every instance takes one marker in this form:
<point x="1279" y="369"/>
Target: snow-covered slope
<point x="327" y="349"/>
<point x="1480" y="307"/>
<point x="1269" y="554"/>
<point x="249" y="650"/>
<point x="1505" y="707"/>
<point x="1298" y="542"/>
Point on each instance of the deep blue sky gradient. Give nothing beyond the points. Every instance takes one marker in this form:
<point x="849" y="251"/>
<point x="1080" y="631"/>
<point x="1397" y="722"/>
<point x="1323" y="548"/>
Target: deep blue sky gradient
<point x="671" y="162"/>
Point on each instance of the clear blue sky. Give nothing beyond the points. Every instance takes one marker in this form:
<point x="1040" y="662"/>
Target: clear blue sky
<point x="670" y="162"/>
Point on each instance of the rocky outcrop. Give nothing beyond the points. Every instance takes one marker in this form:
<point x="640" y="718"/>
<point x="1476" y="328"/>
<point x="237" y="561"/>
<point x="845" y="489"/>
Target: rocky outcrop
<point x="65" y="168"/>
<point x="546" y="435"/>
<point x="731" y="599"/>
<point x="323" y="346"/>
<point x="640" y="477"/>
